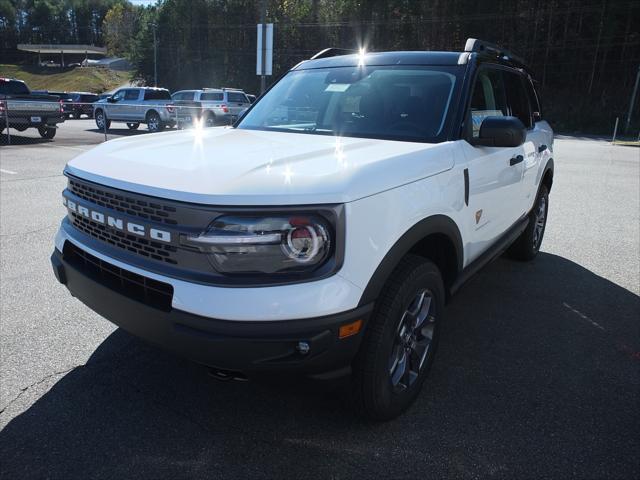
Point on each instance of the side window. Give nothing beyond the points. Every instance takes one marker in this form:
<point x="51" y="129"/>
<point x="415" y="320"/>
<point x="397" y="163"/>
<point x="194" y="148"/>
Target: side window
<point x="488" y="99"/>
<point x="518" y="99"/>
<point x="534" y="100"/>
<point x="131" y="95"/>
<point x="119" y="95"/>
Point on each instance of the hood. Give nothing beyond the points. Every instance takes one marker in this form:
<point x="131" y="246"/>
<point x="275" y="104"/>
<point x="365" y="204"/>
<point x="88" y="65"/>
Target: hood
<point x="227" y="166"/>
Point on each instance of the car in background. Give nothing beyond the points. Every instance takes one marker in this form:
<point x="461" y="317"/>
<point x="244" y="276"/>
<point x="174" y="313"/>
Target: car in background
<point x="212" y="106"/>
<point x="79" y="103"/>
<point x="136" y="105"/>
<point x="252" y="98"/>
<point x="21" y="109"/>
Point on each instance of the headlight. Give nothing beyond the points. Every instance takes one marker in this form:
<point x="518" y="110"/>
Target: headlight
<point x="278" y="244"/>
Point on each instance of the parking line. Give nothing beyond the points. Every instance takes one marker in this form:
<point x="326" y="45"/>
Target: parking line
<point x="8" y="171"/>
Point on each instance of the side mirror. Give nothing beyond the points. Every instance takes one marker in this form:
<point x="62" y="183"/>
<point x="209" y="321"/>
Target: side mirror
<point x="501" y="132"/>
<point x="112" y="99"/>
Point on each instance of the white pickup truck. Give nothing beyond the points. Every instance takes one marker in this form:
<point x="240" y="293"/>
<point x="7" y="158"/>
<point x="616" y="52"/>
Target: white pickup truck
<point x="324" y="233"/>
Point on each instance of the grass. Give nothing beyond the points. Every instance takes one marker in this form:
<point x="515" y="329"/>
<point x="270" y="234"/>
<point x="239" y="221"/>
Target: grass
<point x="86" y="79"/>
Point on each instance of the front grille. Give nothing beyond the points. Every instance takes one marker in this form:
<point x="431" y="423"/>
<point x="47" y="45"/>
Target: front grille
<point x="121" y="202"/>
<point x="137" y="287"/>
<point x="132" y="243"/>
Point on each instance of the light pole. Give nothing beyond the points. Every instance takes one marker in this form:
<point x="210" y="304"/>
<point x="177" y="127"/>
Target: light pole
<point x="155" y="55"/>
<point x="633" y="101"/>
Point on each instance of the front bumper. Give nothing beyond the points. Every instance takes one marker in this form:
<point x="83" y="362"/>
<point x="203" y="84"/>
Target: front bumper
<point x="249" y="347"/>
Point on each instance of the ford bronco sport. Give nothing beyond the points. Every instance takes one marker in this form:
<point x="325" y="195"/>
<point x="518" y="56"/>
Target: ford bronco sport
<point x="324" y="232"/>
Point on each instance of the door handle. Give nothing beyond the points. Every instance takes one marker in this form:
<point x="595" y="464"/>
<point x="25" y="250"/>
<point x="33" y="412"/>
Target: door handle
<point x="542" y="148"/>
<point x="516" y="160"/>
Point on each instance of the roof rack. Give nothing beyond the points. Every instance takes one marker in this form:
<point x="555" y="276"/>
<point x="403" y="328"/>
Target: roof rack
<point x="474" y="45"/>
<point x="333" y="52"/>
<point x="233" y="88"/>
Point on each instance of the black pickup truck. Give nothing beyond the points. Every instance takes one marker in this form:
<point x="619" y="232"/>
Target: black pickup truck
<point x="20" y="109"/>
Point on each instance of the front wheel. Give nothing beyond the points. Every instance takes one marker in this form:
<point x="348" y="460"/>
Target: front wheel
<point x="47" y="132"/>
<point x="133" y="126"/>
<point x="400" y="340"/>
<point x="527" y="245"/>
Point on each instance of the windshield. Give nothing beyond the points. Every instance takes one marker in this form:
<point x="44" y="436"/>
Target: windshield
<point x="389" y="102"/>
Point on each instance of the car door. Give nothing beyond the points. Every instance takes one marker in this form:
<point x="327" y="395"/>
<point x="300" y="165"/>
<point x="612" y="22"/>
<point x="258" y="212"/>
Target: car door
<point x="113" y="105"/>
<point x="542" y="138"/>
<point x="130" y="105"/>
<point x="520" y="107"/>
<point x="494" y="174"/>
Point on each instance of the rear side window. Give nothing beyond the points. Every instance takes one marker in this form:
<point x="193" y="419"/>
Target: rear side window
<point x="131" y="95"/>
<point x="88" y="98"/>
<point x="489" y="98"/>
<point x="184" y="96"/>
<point x="534" y="100"/>
<point x="517" y="98"/>
<point x="159" y="94"/>
<point x="211" y="96"/>
<point x="237" y="97"/>
<point x="13" y="87"/>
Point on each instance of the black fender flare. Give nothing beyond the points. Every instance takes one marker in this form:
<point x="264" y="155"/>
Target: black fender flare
<point x="436" y="224"/>
<point x="547" y="168"/>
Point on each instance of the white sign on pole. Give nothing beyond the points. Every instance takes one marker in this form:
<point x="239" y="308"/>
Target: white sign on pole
<point x="267" y="51"/>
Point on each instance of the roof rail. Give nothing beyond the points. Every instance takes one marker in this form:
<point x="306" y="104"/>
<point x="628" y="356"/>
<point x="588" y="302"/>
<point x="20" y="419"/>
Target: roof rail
<point x="333" y="52"/>
<point x="232" y="88"/>
<point x="473" y="45"/>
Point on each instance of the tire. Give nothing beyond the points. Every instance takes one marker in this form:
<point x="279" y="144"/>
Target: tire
<point x="379" y="391"/>
<point x="133" y="126"/>
<point x="527" y="245"/>
<point x="47" y="132"/>
<point x="154" y="124"/>
<point x="210" y="120"/>
<point x="101" y="119"/>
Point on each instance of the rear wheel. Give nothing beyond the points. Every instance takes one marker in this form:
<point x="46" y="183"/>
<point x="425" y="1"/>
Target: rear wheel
<point x="210" y="120"/>
<point x="47" y="132"/>
<point x="527" y="245"/>
<point x="133" y="126"/>
<point x="154" y="124"/>
<point x="400" y="340"/>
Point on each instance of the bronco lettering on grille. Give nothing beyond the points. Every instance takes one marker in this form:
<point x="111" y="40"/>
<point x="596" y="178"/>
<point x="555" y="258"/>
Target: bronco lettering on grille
<point x="116" y="223"/>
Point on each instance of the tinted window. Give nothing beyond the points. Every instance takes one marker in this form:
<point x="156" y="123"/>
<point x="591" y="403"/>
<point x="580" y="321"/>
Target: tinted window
<point x="183" y="96"/>
<point x="534" y="100"/>
<point x="391" y="102"/>
<point x="215" y="96"/>
<point x="88" y="98"/>
<point x="517" y="98"/>
<point x="489" y="98"/>
<point x="159" y="94"/>
<point x="13" y="87"/>
<point x="131" y="95"/>
<point x="236" y="97"/>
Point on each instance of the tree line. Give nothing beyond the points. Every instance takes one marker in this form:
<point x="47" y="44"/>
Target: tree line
<point x="585" y="53"/>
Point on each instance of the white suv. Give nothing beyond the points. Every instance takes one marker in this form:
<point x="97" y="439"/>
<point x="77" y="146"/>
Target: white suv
<point x="211" y="106"/>
<point x="324" y="233"/>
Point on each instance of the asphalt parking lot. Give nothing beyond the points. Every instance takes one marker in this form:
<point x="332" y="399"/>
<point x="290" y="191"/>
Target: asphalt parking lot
<point x="537" y="374"/>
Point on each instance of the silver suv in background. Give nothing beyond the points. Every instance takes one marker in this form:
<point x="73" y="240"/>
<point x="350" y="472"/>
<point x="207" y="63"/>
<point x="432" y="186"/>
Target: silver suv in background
<point x="214" y="106"/>
<point x="134" y="106"/>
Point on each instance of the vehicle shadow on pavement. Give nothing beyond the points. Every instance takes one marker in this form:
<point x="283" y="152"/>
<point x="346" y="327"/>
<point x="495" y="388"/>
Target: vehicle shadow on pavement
<point x="22" y="139"/>
<point x="537" y="375"/>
